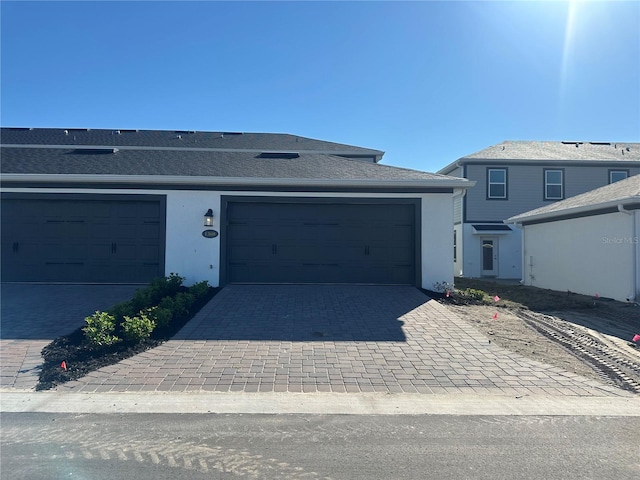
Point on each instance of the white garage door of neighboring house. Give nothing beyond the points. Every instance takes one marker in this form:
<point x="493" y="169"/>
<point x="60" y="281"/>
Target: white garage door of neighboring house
<point x="117" y="239"/>
<point x="299" y="242"/>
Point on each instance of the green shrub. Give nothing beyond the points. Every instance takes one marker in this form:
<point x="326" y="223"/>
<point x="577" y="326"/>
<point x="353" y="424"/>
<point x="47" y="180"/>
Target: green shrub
<point x="179" y="305"/>
<point x="474" y="294"/>
<point x="121" y="310"/>
<point x="141" y="299"/>
<point x="200" y="289"/>
<point x="164" y="287"/>
<point x="153" y="293"/>
<point x="138" y="328"/>
<point x="182" y="303"/>
<point x="100" y="328"/>
<point x="160" y="316"/>
<point x="167" y="304"/>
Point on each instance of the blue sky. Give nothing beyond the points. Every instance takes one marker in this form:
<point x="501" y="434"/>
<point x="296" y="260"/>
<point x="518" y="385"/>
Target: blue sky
<point x="427" y="82"/>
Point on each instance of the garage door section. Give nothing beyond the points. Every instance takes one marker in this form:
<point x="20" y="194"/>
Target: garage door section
<point x="102" y="241"/>
<point x="321" y="243"/>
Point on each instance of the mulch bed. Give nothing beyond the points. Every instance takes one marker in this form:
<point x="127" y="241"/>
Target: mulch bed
<point x="81" y="358"/>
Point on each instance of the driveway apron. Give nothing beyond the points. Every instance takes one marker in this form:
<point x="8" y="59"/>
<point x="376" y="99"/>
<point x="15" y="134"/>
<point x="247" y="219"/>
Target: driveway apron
<point x="330" y="338"/>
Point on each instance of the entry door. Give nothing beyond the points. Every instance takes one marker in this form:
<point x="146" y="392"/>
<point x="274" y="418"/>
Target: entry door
<point x="489" y="256"/>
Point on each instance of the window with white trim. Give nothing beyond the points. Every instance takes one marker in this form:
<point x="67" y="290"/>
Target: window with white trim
<point x="497" y="183"/>
<point x="553" y="184"/>
<point x="617" y="175"/>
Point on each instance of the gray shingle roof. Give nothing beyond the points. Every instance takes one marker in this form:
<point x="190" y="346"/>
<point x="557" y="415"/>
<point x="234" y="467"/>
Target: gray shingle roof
<point x="176" y="139"/>
<point x="202" y="164"/>
<point x="210" y="157"/>
<point x="520" y="150"/>
<point x="527" y="151"/>
<point x="623" y="192"/>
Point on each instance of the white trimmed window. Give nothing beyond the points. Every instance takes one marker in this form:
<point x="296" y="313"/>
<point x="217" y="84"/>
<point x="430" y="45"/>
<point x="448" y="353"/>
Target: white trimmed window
<point x="497" y="183"/>
<point x="617" y="175"/>
<point x="553" y="184"/>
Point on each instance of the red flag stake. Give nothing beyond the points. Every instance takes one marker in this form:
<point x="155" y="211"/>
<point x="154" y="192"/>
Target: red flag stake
<point x="636" y="337"/>
<point x="447" y="293"/>
<point x="495" y="316"/>
<point x="63" y="365"/>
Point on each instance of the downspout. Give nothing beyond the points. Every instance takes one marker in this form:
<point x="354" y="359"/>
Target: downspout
<point x="462" y="192"/>
<point x="523" y="257"/>
<point x="634" y="253"/>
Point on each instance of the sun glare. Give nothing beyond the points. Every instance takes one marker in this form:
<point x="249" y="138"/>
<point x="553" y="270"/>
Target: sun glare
<point x="569" y="34"/>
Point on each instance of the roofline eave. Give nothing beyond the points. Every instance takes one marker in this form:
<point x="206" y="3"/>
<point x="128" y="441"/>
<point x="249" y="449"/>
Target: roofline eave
<point x="523" y="219"/>
<point x="239" y="181"/>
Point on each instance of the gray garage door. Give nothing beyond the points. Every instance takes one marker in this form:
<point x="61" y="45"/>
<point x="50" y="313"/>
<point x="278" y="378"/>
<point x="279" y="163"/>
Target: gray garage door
<point x="321" y="243"/>
<point x="103" y="241"/>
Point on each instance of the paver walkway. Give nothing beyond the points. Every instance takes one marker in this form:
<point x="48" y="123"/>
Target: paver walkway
<point x="323" y="338"/>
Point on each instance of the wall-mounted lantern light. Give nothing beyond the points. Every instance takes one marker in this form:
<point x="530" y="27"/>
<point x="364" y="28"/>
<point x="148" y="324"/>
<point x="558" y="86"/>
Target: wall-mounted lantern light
<point x="208" y="218"/>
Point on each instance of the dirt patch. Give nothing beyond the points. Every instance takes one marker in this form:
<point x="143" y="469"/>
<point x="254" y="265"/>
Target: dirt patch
<point x="494" y="308"/>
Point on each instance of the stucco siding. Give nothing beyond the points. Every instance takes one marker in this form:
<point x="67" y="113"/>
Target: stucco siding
<point x="588" y="255"/>
<point x="197" y="258"/>
<point x="437" y="239"/>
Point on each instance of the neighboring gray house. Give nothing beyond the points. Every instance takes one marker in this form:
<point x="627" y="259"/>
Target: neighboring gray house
<point x="125" y="206"/>
<point x="517" y="176"/>
<point x="587" y="244"/>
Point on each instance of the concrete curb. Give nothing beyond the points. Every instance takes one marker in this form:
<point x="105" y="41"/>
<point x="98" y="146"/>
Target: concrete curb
<point x="316" y="403"/>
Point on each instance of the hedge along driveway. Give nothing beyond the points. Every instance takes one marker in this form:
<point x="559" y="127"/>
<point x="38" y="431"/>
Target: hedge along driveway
<point x="33" y="315"/>
<point x="124" y="330"/>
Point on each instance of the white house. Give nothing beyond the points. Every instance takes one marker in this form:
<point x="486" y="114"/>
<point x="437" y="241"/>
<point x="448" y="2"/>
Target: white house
<point x="586" y="244"/>
<point x="125" y="206"/>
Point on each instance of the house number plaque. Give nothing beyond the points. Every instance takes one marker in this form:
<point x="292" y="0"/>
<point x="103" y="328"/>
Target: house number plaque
<point x="210" y="234"/>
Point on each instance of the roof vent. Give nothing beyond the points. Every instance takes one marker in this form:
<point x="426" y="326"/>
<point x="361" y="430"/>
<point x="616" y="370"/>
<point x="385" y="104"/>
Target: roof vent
<point x="279" y="155"/>
<point x="66" y="132"/>
<point x="95" y="151"/>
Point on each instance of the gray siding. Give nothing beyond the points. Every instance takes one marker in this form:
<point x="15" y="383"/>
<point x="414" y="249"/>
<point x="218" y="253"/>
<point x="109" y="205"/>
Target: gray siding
<point x="526" y="188"/>
<point x="457" y="172"/>
<point x="457" y="200"/>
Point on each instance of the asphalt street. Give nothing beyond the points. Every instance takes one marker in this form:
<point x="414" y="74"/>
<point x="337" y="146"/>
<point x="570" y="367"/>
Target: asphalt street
<point x="229" y="446"/>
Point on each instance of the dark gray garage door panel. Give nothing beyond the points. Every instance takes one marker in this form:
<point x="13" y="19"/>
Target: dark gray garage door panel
<point x="82" y="240"/>
<point x="321" y="243"/>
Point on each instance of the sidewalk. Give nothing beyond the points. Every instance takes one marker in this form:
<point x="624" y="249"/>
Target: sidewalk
<point x="316" y="404"/>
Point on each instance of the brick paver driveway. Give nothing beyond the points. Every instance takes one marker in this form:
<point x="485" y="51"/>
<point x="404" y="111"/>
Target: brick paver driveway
<point x="33" y="315"/>
<point x="324" y="338"/>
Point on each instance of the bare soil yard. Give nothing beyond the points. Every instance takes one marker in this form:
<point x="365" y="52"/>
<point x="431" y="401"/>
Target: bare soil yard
<point x="516" y="322"/>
